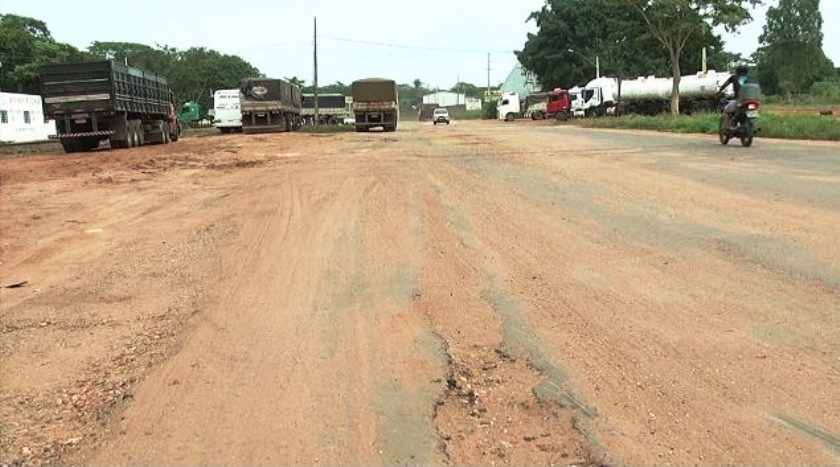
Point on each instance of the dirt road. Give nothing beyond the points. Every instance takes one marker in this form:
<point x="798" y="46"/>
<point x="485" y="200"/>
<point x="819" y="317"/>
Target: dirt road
<point x="479" y="293"/>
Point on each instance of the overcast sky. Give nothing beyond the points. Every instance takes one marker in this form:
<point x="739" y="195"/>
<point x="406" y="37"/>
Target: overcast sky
<point x="276" y="36"/>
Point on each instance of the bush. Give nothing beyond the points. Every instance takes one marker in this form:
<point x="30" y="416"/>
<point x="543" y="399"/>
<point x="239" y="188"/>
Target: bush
<point x="827" y="91"/>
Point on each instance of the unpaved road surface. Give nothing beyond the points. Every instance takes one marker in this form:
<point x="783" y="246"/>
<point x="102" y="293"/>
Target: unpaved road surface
<point x="478" y="293"/>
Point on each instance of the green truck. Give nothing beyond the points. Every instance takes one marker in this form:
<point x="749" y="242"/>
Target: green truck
<point x="190" y="114"/>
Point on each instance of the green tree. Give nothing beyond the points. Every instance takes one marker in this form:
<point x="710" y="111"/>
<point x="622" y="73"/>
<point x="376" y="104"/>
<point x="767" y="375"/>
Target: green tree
<point x="25" y="45"/>
<point x="562" y="51"/>
<point x="193" y="74"/>
<point x="791" y="56"/>
<point x="675" y="22"/>
<point x="297" y="81"/>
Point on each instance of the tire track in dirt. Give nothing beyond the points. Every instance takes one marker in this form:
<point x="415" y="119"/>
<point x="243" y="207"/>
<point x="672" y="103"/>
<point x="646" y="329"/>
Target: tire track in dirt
<point x="546" y="249"/>
<point x="507" y="401"/>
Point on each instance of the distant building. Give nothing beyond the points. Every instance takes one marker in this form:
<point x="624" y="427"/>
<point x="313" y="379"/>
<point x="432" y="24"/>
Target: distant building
<point x="22" y="119"/>
<point x="521" y="81"/>
<point x="473" y="103"/>
<point x="445" y="99"/>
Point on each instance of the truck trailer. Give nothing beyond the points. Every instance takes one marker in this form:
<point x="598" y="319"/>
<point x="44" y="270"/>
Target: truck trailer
<point x="376" y="104"/>
<point x="96" y="101"/>
<point x="269" y="105"/>
<point x="332" y="108"/>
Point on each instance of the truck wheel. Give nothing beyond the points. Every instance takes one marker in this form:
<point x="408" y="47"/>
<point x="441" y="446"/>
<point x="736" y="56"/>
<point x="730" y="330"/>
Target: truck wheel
<point x="509" y="117"/>
<point x="69" y="146"/>
<point x="141" y="133"/>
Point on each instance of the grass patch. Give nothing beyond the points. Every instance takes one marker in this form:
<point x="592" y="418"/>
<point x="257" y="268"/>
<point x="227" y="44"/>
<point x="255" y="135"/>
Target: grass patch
<point x="327" y="129"/>
<point x="811" y="127"/>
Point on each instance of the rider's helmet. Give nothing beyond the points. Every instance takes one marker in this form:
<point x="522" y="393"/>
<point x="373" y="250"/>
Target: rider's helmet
<point x="742" y="70"/>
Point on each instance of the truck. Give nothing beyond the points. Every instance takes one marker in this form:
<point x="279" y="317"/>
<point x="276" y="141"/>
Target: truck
<point x="510" y="107"/>
<point x="93" y="102"/>
<point x="269" y="105"/>
<point x="553" y="104"/>
<point x="227" y="114"/>
<point x="651" y="95"/>
<point x="190" y="114"/>
<point x="332" y="108"/>
<point x="376" y="104"/>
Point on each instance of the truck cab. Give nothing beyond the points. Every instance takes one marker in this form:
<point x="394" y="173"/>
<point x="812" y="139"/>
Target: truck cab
<point x="598" y="96"/>
<point x="577" y="102"/>
<point x="509" y="107"/>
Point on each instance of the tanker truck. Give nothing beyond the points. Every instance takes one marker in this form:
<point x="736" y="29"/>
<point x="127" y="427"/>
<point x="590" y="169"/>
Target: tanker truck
<point x="269" y="105"/>
<point x="93" y="102"/>
<point x="651" y="95"/>
<point x="375" y="104"/>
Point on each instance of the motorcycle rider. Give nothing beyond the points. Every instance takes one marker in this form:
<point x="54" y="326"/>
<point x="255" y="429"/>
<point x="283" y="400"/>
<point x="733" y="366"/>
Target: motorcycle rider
<point x="738" y="79"/>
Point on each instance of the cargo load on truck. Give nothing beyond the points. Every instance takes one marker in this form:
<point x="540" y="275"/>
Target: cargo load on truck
<point x="376" y="104"/>
<point x="269" y="105"/>
<point x="93" y="102"/>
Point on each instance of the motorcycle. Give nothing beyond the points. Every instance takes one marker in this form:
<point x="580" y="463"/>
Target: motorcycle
<point x="742" y="123"/>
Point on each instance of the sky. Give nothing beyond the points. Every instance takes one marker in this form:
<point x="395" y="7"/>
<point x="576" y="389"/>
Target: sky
<point x="445" y="40"/>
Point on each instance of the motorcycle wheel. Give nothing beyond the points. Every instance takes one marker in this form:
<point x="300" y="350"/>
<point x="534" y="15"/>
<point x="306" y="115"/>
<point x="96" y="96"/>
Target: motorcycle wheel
<point x="723" y="132"/>
<point x="748" y="134"/>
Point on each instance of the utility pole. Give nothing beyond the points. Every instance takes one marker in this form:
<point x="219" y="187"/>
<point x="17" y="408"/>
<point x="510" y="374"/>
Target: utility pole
<point x="315" y="60"/>
<point x="597" y="66"/>
<point x="705" y="61"/>
<point x="488" y="72"/>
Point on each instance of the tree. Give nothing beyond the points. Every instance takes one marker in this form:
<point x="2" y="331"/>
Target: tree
<point x="193" y="74"/>
<point x="296" y="81"/>
<point x="562" y="51"/>
<point x="25" y="45"/>
<point x="791" y="57"/>
<point x="674" y="22"/>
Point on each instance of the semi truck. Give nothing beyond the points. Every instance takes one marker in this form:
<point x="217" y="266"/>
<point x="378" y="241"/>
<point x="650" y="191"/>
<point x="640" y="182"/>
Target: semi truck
<point x="376" y="104"/>
<point x="332" y="108"/>
<point x="93" y="102"/>
<point x="651" y="95"/>
<point x="553" y="104"/>
<point x="269" y="105"/>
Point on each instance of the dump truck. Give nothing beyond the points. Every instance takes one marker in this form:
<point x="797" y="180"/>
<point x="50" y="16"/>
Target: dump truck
<point x="269" y="105"/>
<point x="93" y="102"/>
<point x="333" y="109"/>
<point x="376" y="104"/>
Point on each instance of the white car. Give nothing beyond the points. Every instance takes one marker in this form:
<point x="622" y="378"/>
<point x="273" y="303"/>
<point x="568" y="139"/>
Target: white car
<point x="441" y="115"/>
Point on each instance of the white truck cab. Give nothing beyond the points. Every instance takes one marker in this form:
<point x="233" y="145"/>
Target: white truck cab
<point x="227" y="115"/>
<point x="599" y="96"/>
<point x="509" y="107"/>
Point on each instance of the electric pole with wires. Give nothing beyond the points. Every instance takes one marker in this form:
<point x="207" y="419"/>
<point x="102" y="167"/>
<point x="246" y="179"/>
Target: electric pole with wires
<point x="315" y="73"/>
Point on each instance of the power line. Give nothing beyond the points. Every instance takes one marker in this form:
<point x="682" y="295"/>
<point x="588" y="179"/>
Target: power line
<point x="414" y="47"/>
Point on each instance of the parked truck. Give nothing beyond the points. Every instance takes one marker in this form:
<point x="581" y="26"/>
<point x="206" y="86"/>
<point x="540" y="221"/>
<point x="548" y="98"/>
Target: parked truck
<point x="333" y="109"/>
<point x="376" y="104"/>
<point x="651" y="95"/>
<point x="190" y="114"/>
<point x="554" y="104"/>
<point x="93" y="102"/>
<point x="269" y="105"/>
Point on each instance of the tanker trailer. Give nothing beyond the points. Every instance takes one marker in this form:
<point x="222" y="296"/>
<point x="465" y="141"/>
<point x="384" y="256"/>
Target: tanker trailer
<point x="651" y="95"/>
